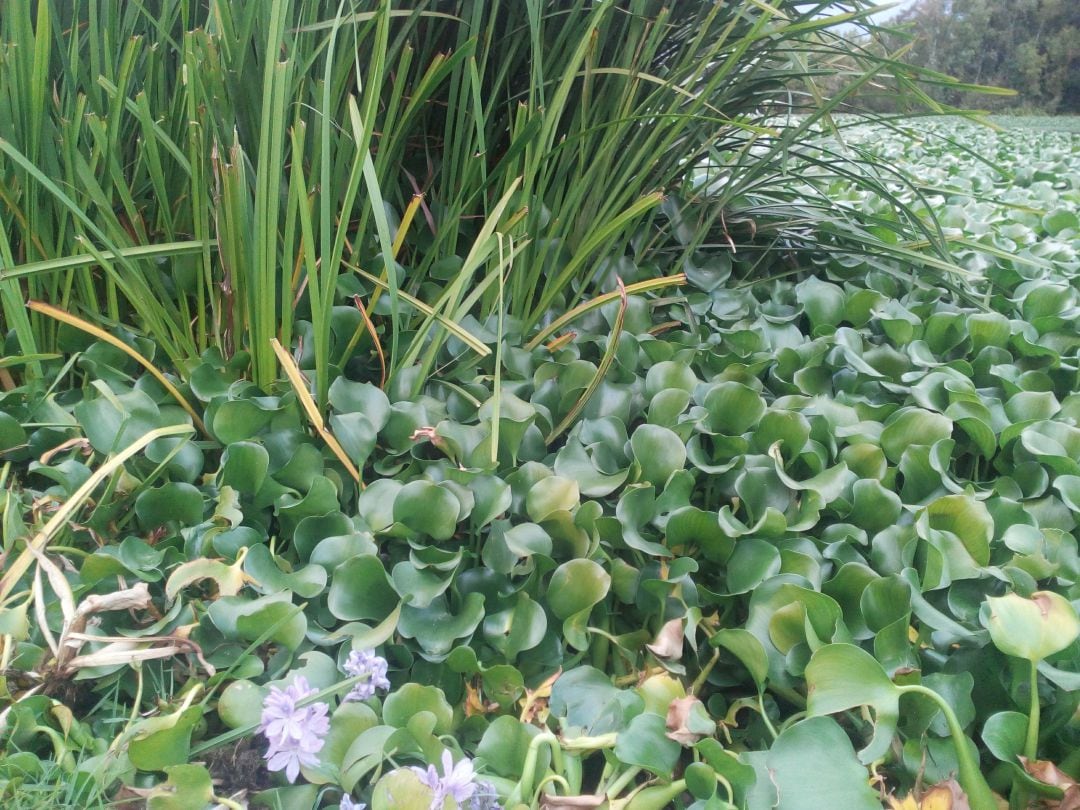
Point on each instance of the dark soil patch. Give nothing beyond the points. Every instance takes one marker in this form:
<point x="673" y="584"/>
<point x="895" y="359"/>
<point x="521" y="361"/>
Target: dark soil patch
<point x="239" y="766"/>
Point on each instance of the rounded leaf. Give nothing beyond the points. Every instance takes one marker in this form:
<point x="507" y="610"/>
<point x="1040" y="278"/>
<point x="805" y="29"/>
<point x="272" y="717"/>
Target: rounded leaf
<point x="913" y="426"/>
<point x="576" y="586"/>
<point x="411" y="698"/>
<point x="813" y="766"/>
<point x="551" y="494"/>
<point x="659" y="451"/>
<point x="241" y="703"/>
<point x="428" y="509"/>
<point x="1032" y="628"/>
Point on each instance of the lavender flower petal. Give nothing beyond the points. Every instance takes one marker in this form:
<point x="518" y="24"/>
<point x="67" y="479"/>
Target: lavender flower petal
<point x="366" y="662"/>
<point x="458" y="779"/>
<point x="295" y="734"/>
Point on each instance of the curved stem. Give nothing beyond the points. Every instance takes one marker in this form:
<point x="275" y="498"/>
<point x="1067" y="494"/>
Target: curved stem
<point x="136" y="704"/>
<point x="792" y="720"/>
<point x="727" y="787"/>
<point x="551" y="777"/>
<point x="624" y="779"/>
<point x="980" y="797"/>
<point x="528" y="772"/>
<point x="765" y="715"/>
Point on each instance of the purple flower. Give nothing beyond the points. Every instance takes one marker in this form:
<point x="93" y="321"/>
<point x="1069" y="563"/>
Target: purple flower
<point x="366" y="662"/>
<point x="456" y="781"/>
<point x="348" y="804"/>
<point x="295" y="733"/>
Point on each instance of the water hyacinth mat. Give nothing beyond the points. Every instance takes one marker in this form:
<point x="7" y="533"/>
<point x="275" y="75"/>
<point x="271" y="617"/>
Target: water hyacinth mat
<point x="809" y="543"/>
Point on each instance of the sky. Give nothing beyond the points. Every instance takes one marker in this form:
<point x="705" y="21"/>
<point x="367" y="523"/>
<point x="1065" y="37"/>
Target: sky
<point x="888" y="14"/>
<point x="903" y="5"/>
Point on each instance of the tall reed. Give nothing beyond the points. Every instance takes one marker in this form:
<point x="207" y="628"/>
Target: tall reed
<point x="221" y="174"/>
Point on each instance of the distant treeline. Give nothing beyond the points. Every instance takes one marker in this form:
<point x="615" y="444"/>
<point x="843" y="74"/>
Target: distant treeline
<point x="1031" y="46"/>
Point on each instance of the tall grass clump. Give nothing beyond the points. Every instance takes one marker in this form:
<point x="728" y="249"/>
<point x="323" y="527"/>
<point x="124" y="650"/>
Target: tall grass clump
<point x="371" y="179"/>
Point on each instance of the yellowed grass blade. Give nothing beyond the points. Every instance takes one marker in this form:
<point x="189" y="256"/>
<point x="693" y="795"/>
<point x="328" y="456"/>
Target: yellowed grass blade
<point x="601" y="369"/>
<point x="370" y="327"/>
<point x="599" y="301"/>
<point x="74" y="320"/>
<point x="296" y="379"/>
<point x="406" y="221"/>
<point x="463" y="335"/>
<point x="66" y="512"/>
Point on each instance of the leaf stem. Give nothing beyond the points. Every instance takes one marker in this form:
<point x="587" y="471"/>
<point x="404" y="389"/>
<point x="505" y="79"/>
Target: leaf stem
<point x="765" y="714"/>
<point x="1031" y="743"/>
<point x="624" y="779"/>
<point x="980" y="797"/>
<point x="528" y="772"/>
<point x="699" y="681"/>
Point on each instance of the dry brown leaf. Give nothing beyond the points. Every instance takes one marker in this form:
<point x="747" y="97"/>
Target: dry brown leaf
<point x="669" y="641"/>
<point x="130" y="797"/>
<point x="946" y="795"/>
<point x="79" y="442"/>
<point x="534" y="704"/>
<point x="677" y="714"/>
<point x="1049" y="773"/>
<point x="137" y="597"/>
<point x="177" y="644"/>
<point x="475" y="703"/>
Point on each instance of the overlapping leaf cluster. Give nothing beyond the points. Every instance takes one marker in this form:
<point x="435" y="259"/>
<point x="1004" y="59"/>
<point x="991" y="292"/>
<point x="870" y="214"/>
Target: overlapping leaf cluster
<point x="767" y="477"/>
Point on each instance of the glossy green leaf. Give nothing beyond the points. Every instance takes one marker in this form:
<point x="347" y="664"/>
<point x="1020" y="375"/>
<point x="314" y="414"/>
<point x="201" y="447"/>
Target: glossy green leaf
<point x="733" y="408"/>
<point x="1034" y="628"/>
<point x="813" y="766"/>
<point x="744" y="646"/>
<point x="841" y="677"/>
<point x="170" y="502"/>
<point x="549" y="495"/>
<point x="428" y="509"/>
<point x="645" y="744"/>
<point x="160" y="742"/>
<point x="400" y="705"/>
<point x="361" y="589"/>
<point x="1004" y="734"/>
<point x="241" y="703"/>
<point x="188" y="787"/>
<point x="659" y="452"/>
<point x="244" y="466"/>
<point x="912" y="426"/>
<point x="575" y="586"/>
<point x="437" y="629"/>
